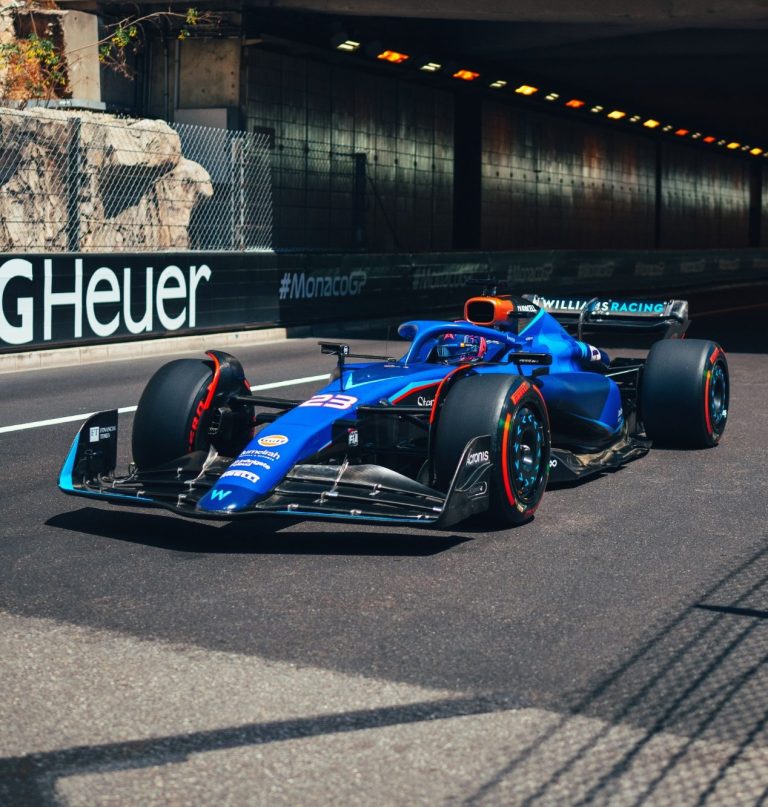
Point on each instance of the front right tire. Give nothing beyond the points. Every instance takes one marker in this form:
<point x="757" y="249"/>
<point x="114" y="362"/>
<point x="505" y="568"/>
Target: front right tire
<point x="512" y="411"/>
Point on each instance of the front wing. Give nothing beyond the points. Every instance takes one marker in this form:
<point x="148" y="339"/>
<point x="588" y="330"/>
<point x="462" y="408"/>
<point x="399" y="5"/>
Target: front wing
<point x="370" y="493"/>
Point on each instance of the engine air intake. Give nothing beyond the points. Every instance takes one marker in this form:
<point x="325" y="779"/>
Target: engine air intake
<point x="489" y="310"/>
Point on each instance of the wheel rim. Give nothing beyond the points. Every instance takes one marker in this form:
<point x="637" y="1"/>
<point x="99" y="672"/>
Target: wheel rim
<point x="718" y="398"/>
<point x="526" y="456"/>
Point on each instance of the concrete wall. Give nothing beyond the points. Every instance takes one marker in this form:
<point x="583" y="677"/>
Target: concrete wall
<point x="322" y="116"/>
<point x="705" y="200"/>
<point x="548" y="184"/>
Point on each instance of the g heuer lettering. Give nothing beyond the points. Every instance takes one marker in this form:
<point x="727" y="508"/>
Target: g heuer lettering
<point x="476" y="457"/>
<point x="100" y="302"/>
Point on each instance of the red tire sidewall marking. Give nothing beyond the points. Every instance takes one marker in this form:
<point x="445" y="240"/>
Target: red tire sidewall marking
<point x="712" y="361"/>
<point x="205" y="404"/>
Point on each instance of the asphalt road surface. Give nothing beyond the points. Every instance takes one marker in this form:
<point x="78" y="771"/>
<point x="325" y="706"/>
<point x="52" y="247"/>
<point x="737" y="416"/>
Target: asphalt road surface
<point x="612" y="651"/>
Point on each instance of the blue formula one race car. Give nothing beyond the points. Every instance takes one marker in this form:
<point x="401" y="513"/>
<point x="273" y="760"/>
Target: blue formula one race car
<point x="477" y="417"/>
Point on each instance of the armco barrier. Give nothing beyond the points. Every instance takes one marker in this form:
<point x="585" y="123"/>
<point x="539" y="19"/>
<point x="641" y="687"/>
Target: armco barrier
<point x="65" y="299"/>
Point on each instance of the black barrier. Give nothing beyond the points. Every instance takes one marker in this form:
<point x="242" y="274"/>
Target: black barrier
<point x="56" y="300"/>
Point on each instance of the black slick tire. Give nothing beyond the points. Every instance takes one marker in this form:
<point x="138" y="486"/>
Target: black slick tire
<point x="511" y="410"/>
<point x="684" y="393"/>
<point x="168" y="419"/>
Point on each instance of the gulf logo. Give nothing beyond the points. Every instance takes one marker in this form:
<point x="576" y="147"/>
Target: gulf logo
<point x="272" y="440"/>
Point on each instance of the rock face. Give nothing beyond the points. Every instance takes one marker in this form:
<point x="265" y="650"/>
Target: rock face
<point x="90" y="182"/>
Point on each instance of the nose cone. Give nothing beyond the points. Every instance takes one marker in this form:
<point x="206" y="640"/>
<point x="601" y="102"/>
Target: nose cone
<point x="227" y="499"/>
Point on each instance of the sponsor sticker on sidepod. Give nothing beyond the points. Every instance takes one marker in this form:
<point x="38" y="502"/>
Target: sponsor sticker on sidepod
<point x="272" y="440"/>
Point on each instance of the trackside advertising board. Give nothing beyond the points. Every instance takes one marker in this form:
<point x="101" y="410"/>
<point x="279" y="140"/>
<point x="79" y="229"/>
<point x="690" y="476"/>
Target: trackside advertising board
<point x="55" y="300"/>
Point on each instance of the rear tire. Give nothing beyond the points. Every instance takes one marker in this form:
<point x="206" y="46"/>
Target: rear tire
<point x="684" y="393"/>
<point x="164" y="427"/>
<point x="513" y="413"/>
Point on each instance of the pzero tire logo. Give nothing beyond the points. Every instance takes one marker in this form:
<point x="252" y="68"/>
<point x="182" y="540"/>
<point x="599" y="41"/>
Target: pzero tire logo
<point x="272" y="440"/>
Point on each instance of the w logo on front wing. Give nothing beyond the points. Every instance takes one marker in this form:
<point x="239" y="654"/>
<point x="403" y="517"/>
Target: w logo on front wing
<point x="220" y="494"/>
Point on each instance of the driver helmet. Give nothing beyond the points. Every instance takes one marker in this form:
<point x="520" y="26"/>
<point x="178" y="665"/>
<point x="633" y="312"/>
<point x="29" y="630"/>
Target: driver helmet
<point x="460" y="347"/>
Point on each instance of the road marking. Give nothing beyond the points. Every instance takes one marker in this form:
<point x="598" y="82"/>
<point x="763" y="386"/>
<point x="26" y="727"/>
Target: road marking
<point x="36" y="424"/>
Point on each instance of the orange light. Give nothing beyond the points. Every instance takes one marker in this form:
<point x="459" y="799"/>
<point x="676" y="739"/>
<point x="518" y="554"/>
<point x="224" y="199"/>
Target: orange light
<point x="756" y="152"/>
<point x="682" y="132"/>
<point x="617" y="114"/>
<point x="466" y="75"/>
<point x="733" y="145"/>
<point x="575" y="103"/>
<point x="393" y="56"/>
<point x="709" y="139"/>
<point x="651" y="123"/>
<point x="526" y="89"/>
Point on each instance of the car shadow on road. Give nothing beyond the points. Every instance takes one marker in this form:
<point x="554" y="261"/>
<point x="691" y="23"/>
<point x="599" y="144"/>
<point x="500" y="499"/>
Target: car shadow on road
<point x="269" y="536"/>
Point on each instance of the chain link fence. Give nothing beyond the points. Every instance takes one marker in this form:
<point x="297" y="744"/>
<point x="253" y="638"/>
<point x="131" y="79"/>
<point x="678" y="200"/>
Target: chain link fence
<point x="86" y="183"/>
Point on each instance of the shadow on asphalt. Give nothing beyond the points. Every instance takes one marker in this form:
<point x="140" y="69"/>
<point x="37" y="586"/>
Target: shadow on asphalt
<point x="682" y="720"/>
<point x="257" y="537"/>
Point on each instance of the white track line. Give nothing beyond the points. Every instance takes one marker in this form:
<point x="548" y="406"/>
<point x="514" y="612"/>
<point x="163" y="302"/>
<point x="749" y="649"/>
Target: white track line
<point x="291" y="382"/>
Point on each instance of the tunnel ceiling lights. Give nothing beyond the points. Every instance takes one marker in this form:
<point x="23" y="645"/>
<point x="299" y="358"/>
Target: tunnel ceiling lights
<point x="392" y="56"/>
<point x="344" y="43"/>
<point x="341" y="42"/>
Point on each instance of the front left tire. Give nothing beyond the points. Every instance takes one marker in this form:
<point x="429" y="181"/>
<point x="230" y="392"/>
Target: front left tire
<point x="167" y="424"/>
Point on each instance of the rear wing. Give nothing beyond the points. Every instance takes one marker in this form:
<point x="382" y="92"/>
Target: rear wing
<point x="603" y="313"/>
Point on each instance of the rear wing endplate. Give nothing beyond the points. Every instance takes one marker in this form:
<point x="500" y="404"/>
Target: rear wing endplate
<point x="603" y="313"/>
